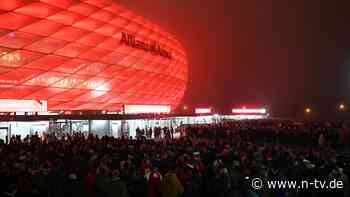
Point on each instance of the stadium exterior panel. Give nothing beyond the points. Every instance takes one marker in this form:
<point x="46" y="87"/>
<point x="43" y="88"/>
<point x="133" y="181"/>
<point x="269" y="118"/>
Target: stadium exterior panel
<point x="87" y="55"/>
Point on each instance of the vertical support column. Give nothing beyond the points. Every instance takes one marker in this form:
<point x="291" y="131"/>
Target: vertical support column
<point x="90" y="126"/>
<point x="124" y="129"/>
<point x="109" y="128"/>
<point x="70" y="127"/>
<point x="8" y="133"/>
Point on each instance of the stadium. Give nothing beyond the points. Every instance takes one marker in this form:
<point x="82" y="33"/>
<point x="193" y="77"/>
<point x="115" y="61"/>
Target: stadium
<point x="87" y="55"/>
<point x="97" y="101"/>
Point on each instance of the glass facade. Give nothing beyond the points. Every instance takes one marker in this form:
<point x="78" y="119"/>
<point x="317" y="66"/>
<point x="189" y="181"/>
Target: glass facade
<point x="115" y="128"/>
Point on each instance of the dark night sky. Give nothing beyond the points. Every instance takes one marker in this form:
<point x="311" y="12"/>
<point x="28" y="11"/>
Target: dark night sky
<point x="277" y="53"/>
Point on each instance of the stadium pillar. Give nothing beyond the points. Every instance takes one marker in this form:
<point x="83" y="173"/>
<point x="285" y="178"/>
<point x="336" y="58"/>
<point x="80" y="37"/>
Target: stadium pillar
<point x="124" y="128"/>
<point x="9" y="133"/>
<point x="109" y="128"/>
<point x="70" y="127"/>
<point x="90" y="125"/>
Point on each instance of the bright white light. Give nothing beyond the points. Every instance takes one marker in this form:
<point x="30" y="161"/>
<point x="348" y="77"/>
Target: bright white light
<point x="202" y="110"/>
<point x="248" y="117"/>
<point x="147" y="109"/>
<point x="249" y="111"/>
<point x="103" y="87"/>
<point x="112" y="112"/>
<point x="216" y="115"/>
<point x="100" y="90"/>
<point x="14" y="105"/>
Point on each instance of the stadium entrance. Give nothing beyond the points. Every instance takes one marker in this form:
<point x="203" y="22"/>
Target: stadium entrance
<point x="116" y="126"/>
<point x="4" y="132"/>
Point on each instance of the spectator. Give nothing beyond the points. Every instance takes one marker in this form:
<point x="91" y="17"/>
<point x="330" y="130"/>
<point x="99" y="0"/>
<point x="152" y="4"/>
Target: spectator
<point x="171" y="186"/>
<point x="209" y="160"/>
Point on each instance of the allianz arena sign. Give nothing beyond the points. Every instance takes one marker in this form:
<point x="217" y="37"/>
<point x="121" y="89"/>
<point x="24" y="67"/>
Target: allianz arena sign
<point x="151" y="46"/>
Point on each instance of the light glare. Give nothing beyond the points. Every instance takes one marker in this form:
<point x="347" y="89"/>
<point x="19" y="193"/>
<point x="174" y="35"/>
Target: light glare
<point x="249" y="111"/>
<point x="202" y="110"/>
<point x="146" y="109"/>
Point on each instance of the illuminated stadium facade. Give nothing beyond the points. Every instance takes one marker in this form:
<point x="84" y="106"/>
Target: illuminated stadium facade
<point x="87" y="55"/>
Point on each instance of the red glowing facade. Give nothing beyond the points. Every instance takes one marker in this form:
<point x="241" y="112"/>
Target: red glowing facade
<point x="87" y="55"/>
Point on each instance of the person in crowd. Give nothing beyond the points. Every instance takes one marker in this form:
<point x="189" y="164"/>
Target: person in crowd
<point x="154" y="179"/>
<point x="171" y="186"/>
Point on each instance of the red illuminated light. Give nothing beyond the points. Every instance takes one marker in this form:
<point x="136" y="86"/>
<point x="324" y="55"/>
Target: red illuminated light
<point x="69" y="53"/>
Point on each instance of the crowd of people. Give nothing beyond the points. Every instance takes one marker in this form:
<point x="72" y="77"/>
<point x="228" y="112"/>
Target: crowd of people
<point x="156" y="133"/>
<point x="306" y="133"/>
<point x="208" y="160"/>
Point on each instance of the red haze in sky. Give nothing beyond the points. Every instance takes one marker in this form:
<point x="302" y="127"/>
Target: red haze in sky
<point x="281" y="54"/>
